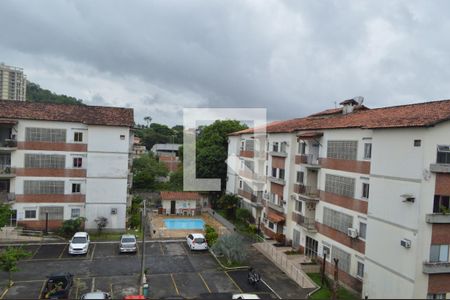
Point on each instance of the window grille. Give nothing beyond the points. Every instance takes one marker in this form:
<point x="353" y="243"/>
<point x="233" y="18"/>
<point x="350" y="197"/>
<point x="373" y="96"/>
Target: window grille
<point x="337" y="220"/>
<point x="54" y="212"/>
<point x="344" y="258"/>
<point x="249" y="145"/>
<point x="342" y="149"/>
<point x="443" y="154"/>
<point x="344" y="186"/>
<point x="367" y="150"/>
<point x="45" y="135"/>
<point x="51" y="161"/>
<point x="43" y="187"/>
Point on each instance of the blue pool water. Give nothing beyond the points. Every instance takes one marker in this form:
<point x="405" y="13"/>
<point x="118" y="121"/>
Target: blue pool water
<point x="182" y="224"/>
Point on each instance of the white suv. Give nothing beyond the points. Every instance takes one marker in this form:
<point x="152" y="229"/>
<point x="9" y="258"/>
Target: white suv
<point x="79" y="244"/>
<point x="127" y="243"/>
<point x="196" y="241"/>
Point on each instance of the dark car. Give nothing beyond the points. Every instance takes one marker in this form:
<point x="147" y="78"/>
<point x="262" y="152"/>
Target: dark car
<point x="58" y="286"/>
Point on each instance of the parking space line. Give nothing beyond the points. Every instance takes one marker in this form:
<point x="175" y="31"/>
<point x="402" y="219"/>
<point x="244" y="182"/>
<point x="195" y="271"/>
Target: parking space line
<point x="278" y="296"/>
<point x="162" y="250"/>
<point x="110" y="290"/>
<point x="234" y="282"/>
<point x="203" y="279"/>
<point x="174" y="284"/>
<point x="35" y="252"/>
<point x="41" y="290"/>
<point x="5" y="292"/>
<point x="93" y="284"/>
<point x="78" y="287"/>
<point x="62" y="252"/>
<point x="93" y="250"/>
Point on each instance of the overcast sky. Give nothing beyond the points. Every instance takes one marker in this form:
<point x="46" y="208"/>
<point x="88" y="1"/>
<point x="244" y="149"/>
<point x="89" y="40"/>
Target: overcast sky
<point x="291" y="57"/>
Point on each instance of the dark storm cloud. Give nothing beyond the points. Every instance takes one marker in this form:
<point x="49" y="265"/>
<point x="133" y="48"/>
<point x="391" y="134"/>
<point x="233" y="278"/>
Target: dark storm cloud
<point x="293" y="57"/>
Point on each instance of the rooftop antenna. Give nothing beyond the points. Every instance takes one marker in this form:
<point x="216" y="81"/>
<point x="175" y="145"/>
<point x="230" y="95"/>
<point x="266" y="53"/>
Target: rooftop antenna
<point x="359" y="99"/>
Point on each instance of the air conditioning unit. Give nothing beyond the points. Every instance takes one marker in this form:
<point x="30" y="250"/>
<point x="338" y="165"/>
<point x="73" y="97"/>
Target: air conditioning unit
<point x="405" y="243"/>
<point x="408" y="198"/>
<point x="352" y="232"/>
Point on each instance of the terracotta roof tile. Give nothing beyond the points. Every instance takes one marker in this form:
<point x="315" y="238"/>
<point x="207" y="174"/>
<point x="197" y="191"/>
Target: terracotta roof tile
<point x="180" y="196"/>
<point x="91" y="115"/>
<point x="412" y="115"/>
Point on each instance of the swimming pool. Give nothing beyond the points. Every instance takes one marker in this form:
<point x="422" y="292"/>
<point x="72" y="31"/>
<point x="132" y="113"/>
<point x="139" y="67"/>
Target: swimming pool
<point x="184" y="224"/>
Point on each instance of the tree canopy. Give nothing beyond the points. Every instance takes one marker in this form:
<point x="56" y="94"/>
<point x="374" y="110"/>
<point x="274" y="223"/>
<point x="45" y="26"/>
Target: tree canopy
<point x="155" y="133"/>
<point x="146" y="170"/>
<point x="212" y="149"/>
<point x="37" y="94"/>
<point x="5" y="214"/>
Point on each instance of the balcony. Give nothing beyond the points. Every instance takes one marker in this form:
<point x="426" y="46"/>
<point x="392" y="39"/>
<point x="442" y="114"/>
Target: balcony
<point x="307" y="192"/>
<point x="277" y="180"/>
<point x="438" y="218"/>
<point x="278" y="153"/>
<point x="247" y="195"/>
<point x="306" y="222"/>
<point x="8" y="145"/>
<point x="442" y="164"/>
<point x="6" y="197"/>
<point x="7" y="172"/>
<point x="311" y="161"/>
<point x="440" y="168"/>
<point x="436" y="267"/>
<point x="275" y="206"/>
<point x="252" y="175"/>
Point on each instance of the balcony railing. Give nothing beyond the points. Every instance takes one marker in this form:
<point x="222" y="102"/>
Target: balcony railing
<point x="248" y="195"/>
<point x="442" y="164"/>
<point x="6" y="197"/>
<point x="437" y="218"/>
<point x="436" y="267"/>
<point x="6" y="171"/>
<point x="306" y="190"/>
<point x="306" y="222"/>
<point x="277" y="180"/>
<point x="275" y="206"/>
<point x="278" y="153"/>
<point x="8" y="143"/>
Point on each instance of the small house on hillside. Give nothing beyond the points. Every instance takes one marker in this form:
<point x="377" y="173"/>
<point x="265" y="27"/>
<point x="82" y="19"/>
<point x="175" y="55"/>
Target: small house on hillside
<point x="182" y="203"/>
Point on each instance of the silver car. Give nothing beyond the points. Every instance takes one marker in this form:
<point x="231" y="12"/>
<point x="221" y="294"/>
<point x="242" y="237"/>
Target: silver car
<point x="127" y="243"/>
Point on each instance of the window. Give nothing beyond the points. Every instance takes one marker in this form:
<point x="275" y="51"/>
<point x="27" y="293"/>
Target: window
<point x="301" y="148"/>
<point x="77" y="162"/>
<point x="344" y="258"/>
<point x="275" y="147"/>
<point x="30" y="214"/>
<point x="242" y="145"/>
<point x="417" y="143"/>
<point x="54" y="212"/>
<point x="362" y="230"/>
<point x="344" y="186"/>
<point x="367" y="150"/>
<point x="365" y="190"/>
<point x="267" y="170"/>
<point x="342" y="149"/>
<point x="441" y="203"/>
<point x="122" y="136"/>
<point x="443" y="154"/>
<point x="43" y="187"/>
<point x="360" y="270"/>
<point x="274" y="172"/>
<point x="78" y="136"/>
<point x="326" y="250"/>
<point x="283" y="147"/>
<point x="250" y="145"/>
<point x="75" y="213"/>
<point x="45" y="135"/>
<point x="439" y="253"/>
<point x="337" y="220"/>
<point x="76" y="187"/>
<point x="300" y="176"/>
<point x="281" y="175"/>
<point x="298" y="206"/>
<point x="436" y="296"/>
<point x="5" y="160"/>
<point x="271" y="225"/>
<point x="49" y="161"/>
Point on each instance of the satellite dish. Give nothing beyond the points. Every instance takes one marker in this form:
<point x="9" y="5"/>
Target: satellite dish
<point x="359" y="99"/>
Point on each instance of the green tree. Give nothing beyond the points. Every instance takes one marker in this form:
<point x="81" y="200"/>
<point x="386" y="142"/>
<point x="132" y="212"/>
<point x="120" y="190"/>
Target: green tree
<point x="5" y="214"/>
<point x="146" y="170"/>
<point x="229" y="202"/>
<point x="9" y="258"/>
<point x="37" y="94"/>
<point x="69" y="227"/>
<point x="243" y="215"/>
<point x="176" y="180"/>
<point x="212" y="149"/>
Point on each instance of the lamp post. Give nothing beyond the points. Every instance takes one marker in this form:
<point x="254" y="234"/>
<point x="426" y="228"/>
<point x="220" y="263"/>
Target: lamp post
<point x="46" y="223"/>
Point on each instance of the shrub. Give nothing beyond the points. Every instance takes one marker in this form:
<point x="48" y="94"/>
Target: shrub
<point x="69" y="227"/>
<point x="230" y="246"/>
<point x="101" y="223"/>
<point x="243" y="215"/>
<point x="211" y="235"/>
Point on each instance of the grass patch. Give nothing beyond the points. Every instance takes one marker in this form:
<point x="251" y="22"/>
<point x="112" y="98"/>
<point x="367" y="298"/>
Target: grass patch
<point x="113" y="236"/>
<point x="233" y="264"/>
<point x="325" y="292"/>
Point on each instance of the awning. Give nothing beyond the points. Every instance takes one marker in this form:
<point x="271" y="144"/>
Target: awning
<point x="8" y="122"/>
<point x="275" y="217"/>
<point x="309" y="135"/>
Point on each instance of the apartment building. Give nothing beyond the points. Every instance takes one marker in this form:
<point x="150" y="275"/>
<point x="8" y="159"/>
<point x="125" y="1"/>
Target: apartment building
<point x="59" y="162"/>
<point x="13" y="83"/>
<point x="370" y="187"/>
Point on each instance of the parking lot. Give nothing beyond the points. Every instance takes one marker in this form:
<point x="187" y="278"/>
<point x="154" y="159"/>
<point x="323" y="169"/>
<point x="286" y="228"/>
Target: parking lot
<point x="173" y="270"/>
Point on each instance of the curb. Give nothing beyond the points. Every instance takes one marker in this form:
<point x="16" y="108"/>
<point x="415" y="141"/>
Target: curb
<point x="6" y="290"/>
<point x="227" y="268"/>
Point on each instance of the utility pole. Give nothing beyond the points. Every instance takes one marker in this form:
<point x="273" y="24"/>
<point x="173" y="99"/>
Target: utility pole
<point x="143" y="279"/>
<point x="336" y="280"/>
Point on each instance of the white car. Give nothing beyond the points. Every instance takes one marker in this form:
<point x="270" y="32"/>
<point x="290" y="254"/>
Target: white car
<point x="79" y="244"/>
<point x="196" y="241"/>
<point x="245" y="296"/>
<point x="127" y="243"/>
<point x="99" y="295"/>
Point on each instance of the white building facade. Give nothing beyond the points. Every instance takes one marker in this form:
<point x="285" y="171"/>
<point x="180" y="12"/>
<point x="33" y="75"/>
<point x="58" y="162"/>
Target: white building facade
<point x="369" y="187"/>
<point x="55" y="169"/>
